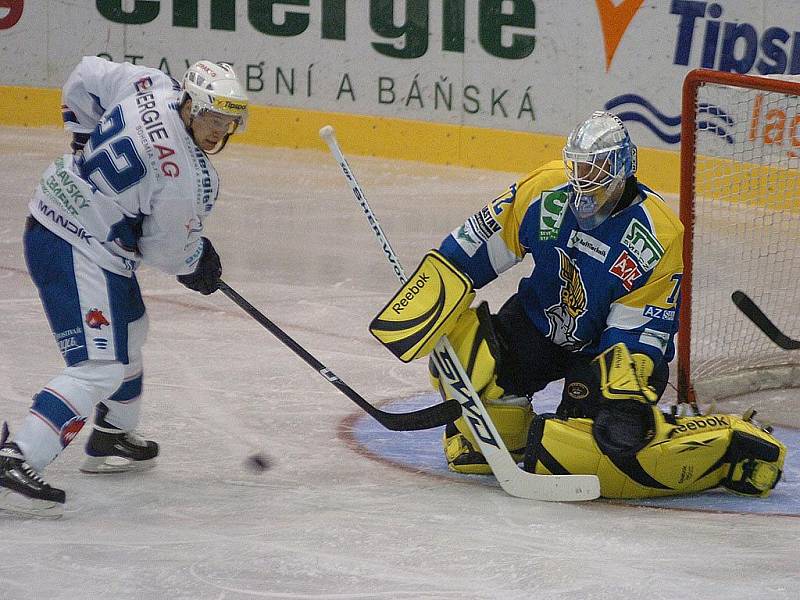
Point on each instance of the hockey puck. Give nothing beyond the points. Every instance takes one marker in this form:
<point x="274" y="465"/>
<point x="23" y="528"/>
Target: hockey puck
<point x="258" y="462"/>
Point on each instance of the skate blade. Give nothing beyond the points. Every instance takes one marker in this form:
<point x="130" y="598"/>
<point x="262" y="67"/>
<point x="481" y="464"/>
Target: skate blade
<point x="95" y="465"/>
<point x="17" y="504"/>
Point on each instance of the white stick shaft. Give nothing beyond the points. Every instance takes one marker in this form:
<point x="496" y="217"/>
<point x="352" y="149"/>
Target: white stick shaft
<point x="457" y="384"/>
<point x="327" y="133"/>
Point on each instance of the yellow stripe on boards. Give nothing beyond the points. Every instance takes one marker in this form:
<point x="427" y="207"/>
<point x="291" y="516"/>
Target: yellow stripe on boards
<point x="438" y="143"/>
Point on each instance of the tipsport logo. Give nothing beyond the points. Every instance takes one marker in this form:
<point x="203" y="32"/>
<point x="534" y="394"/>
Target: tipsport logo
<point x="704" y="32"/>
<point x="729" y="45"/>
<point x="712" y="119"/>
<point x="614" y="21"/>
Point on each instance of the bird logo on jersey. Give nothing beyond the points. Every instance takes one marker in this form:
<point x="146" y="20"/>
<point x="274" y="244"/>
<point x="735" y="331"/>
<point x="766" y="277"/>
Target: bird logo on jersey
<point x="564" y="316"/>
<point x="96" y="319"/>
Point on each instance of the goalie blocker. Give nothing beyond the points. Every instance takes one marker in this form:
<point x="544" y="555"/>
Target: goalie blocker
<point x="426" y="308"/>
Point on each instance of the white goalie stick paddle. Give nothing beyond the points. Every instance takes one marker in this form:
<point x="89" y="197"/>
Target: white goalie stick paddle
<point x="511" y="477"/>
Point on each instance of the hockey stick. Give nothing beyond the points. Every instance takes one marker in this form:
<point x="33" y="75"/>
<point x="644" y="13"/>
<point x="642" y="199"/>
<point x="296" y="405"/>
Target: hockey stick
<point x="457" y="384"/>
<point x="755" y="314"/>
<point x="426" y="418"/>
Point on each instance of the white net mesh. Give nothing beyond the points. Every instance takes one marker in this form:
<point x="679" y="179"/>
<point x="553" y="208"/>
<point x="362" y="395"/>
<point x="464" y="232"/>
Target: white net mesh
<point x="746" y="236"/>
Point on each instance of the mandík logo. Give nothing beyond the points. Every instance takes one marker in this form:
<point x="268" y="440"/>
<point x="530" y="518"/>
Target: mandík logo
<point x="71" y="429"/>
<point x="96" y="319"/>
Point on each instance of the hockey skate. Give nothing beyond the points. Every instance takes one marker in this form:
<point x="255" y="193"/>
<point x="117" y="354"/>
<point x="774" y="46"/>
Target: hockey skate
<point x="22" y="489"/>
<point x="111" y="450"/>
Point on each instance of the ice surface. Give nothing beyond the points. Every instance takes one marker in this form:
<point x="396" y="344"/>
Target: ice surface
<point x="326" y="521"/>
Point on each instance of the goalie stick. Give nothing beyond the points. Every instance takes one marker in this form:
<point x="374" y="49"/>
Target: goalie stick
<point x="511" y="477"/>
<point x="756" y="315"/>
<point x="426" y="418"/>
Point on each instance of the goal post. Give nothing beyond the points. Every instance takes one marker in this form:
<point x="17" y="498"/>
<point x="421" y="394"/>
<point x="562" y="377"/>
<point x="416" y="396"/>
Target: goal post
<point x="740" y="206"/>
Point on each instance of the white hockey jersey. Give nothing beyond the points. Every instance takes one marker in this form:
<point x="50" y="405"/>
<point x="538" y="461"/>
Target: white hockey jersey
<point x="142" y="188"/>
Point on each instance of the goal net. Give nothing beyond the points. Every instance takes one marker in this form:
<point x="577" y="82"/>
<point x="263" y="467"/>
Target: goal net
<point x="740" y="204"/>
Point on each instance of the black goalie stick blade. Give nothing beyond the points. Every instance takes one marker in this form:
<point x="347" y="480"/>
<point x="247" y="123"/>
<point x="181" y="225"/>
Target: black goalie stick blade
<point x="752" y="312"/>
<point x="424" y="418"/>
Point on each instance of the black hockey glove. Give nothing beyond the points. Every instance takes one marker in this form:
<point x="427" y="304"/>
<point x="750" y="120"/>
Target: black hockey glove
<point x="615" y="375"/>
<point x="207" y="273"/>
<point x="78" y="142"/>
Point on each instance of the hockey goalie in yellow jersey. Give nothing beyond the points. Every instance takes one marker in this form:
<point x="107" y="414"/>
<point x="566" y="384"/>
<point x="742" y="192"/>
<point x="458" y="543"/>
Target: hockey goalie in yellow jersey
<point x="600" y="310"/>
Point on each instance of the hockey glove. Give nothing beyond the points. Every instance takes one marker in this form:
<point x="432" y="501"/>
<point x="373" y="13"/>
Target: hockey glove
<point x="613" y="375"/>
<point x="207" y="273"/>
<point x="78" y="142"/>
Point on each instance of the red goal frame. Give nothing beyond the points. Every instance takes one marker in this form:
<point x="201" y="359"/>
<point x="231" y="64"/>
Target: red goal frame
<point x="693" y="81"/>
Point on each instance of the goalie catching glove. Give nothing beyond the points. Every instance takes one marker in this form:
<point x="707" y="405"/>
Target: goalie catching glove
<point x="424" y="309"/>
<point x="613" y="375"/>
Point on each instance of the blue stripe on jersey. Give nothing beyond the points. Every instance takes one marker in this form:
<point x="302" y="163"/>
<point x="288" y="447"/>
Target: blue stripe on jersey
<point x="128" y="390"/>
<point x="49" y="260"/>
<point x="127" y="306"/>
<point x="53" y="409"/>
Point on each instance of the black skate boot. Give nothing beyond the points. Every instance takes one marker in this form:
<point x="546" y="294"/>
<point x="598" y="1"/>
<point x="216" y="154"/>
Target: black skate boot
<point x="22" y="489"/>
<point x="111" y="450"/>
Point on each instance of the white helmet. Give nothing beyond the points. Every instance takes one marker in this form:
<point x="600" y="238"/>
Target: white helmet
<point x="214" y="87"/>
<point x="598" y="157"/>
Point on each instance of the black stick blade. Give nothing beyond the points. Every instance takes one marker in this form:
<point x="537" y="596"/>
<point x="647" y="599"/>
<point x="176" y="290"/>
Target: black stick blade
<point x="755" y="314"/>
<point x="425" y="418"/>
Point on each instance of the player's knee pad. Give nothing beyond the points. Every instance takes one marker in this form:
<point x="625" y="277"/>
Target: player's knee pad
<point x="88" y="383"/>
<point x="474" y="342"/>
<point x="679" y="455"/>
<point x="60" y="409"/>
<point x="511" y="416"/>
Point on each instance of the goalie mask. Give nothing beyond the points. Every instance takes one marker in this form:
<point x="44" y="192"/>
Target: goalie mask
<point x="598" y="157"/>
<point x="218" y="99"/>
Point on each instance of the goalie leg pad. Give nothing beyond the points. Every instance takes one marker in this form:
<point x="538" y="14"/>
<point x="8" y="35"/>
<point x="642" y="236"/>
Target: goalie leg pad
<point x="511" y="415"/>
<point x="755" y="460"/>
<point x="682" y="455"/>
<point x="426" y="308"/>
<point x="475" y="345"/>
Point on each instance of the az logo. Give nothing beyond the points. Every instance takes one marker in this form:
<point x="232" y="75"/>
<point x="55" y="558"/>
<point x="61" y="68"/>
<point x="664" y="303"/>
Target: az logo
<point x="614" y="20"/>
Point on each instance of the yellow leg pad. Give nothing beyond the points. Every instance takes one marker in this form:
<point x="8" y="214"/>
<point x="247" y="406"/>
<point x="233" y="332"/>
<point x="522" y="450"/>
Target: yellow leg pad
<point x="511" y="416"/>
<point x="692" y="455"/>
<point x="474" y="354"/>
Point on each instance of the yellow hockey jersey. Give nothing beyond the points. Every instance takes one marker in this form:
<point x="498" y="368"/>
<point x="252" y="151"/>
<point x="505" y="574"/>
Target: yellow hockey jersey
<point x="619" y="282"/>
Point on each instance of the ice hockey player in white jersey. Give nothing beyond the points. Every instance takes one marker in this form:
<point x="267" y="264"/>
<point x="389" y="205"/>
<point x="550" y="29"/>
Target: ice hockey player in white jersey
<point x="137" y="188"/>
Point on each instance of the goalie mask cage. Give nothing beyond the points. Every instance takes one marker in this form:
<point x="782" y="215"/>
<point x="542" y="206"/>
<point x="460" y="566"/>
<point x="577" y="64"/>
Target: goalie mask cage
<point x="740" y="205"/>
